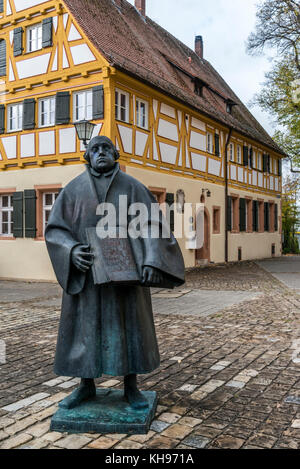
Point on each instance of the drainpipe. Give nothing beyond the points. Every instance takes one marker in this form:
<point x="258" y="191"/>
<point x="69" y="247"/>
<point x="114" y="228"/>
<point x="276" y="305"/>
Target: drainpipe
<point x="226" y="193"/>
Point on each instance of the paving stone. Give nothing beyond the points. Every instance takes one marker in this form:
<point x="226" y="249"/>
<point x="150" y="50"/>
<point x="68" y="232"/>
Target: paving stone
<point x="169" y="417"/>
<point x="177" y="431"/>
<point x="73" y="442"/>
<point x="52" y="436"/>
<point x="228" y="442"/>
<point x="296" y="423"/>
<point x="190" y="421"/>
<point x="15" y="441"/>
<point x="188" y="387"/>
<point x="35" y="444"/>
<point x="25" y="402"/>
<point x="235" y="384"/>
<point x="158" y="426"/>
<point x="3" y="435"/>
<point x="20" y="425"/>
<point x="128" y="444"/>
<point x="5" y="422"/>
<point x="142" y="438"/>
<point x="102" y="443"/>
<point x="161" y="442"/>
<point x="264" y="441"/>
<point x="109" y="384"/>
<point x="196" y="441"/>
<point x="39" y="429"/>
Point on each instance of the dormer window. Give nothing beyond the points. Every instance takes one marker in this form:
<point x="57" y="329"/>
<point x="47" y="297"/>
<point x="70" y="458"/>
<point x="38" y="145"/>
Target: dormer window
<point x="34" y="37"/>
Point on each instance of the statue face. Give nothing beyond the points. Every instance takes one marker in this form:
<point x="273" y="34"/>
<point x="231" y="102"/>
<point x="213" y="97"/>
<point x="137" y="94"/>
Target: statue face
<point x="102" y="156"/>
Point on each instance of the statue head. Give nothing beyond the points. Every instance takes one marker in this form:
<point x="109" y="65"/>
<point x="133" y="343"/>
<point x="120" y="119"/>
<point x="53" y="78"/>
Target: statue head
<point x="101" y="154"/>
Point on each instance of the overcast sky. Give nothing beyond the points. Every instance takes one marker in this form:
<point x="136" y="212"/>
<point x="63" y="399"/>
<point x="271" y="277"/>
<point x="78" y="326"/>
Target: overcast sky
<point x="225" y="26"/>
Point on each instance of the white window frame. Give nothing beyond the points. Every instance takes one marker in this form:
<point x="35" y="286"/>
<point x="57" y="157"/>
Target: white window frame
<point x="140" y="116"/>
<point x="239" y="154"/>
<point x="15" y="114"/>
<point x="46" y="207"/>
<point x="87" y="105"/>
<point x="49" y="112"/>
<point x="118" y="107"/>
<point x="9" y="211"/>
<point x="254" y="159"/>
<point x="34" y="37"/>
<point x="210" y="143"/>
<point x="231" y="152"/>
<point x="259" y="161"/>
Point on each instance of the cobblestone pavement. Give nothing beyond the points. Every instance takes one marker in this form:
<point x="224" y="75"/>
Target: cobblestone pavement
<point x="227" y="380"/>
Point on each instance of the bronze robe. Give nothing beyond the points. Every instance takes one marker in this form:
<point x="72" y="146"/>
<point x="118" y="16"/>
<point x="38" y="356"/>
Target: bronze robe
<point x="105" y="329"/>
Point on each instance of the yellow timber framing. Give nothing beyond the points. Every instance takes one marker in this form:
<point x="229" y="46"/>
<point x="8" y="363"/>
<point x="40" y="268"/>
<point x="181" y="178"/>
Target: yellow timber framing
<point x="143" y="91"/>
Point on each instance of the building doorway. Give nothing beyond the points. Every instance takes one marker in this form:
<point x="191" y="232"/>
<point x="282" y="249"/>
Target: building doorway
<point x="203" y="254"/>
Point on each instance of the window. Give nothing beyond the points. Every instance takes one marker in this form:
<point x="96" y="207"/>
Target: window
<point x="122" y="106"/>
<point x="47" y="112"/>
<point x="259" y="161"/>
<point x="254" y="159"/>
<point x="239" y="154"/>
<point x="34" y="35"/>
<point x="6" y="215"/>
<point x="15" y="117"/>
<point x="48" y="201"/>
<point x="83" y="105"/>
<point x="231" y="152"/>
<point x="210" y="147"/>
<point x="216" y="220"/>
<point x="141" y="114"/>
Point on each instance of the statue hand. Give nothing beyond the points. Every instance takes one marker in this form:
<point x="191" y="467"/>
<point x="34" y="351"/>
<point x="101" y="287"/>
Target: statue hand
<point x="151" y="276"/>
<point x="82" y="258"/>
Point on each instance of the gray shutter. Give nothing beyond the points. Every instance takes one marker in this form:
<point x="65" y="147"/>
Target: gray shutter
<point x="170" y="199"/>
<point x="47" y="32"/>
<point x="18" y="41"/>
<point x="18" y="214"/>
<point x="279" y="167"/>
<point x="30" y="213"/>
<point x="28" y="114"/>
<point x="267" y="216"/>
<point x="265" y="163"/>
<point x="268" y="163"/>
<point x="255" y="215"/>
<point x="62" y="108"/>
<point x="242" y="214"/>
<point x="276" y="217"/>
<point x="98" y="102"/>
<point x="217" y="145"/>
<point x="2" y="58"/>
<point x="251" y="158"/>
<point x="1" y="6"/>
<point x="229" y="213"/>
<point x="2" y="119"/>
<point x="245" y="155"/>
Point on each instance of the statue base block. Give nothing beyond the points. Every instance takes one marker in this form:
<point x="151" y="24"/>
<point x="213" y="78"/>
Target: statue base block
<point x="107" y="412"/>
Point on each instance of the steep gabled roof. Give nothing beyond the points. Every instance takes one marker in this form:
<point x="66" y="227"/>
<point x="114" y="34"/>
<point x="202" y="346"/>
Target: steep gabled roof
<point x="142" y="48"/>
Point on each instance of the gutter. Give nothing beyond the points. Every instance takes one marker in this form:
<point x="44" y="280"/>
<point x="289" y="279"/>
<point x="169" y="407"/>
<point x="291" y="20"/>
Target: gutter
<point x="226" y="192"/>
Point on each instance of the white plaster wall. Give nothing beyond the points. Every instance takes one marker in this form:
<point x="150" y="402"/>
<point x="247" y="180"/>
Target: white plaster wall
<point x="82" y="54"/>
<point x="198" y="141"/>
<point x="34" y="66"/>
<point x="168" y="153"/>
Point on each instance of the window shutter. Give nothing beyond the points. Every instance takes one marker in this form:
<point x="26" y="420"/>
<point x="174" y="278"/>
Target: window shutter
<point x="30" y="213"/>
<point x="217" y="145"/>
<point x="1" y="6"/>
<point x="279" y="167"/>
<point x="170" y="199"/>
<point x="18" y="214"/>
<point x="276" y="217"/>
<point x="28" y="114"/>
<point x="242" y="214"/>
<point x="268" y="163"/>
<point x="62" y="108"/>
<point x="266" y="216"/>
<point x="98" y="102"/>
<point x="229" y="213"/>
<point x="2" y="118"/>
<point x="18" y="41"/>
<point x="255" y="215"/>
<point x="2" y="58"/>
<point x="47" y="32"/>
<point x="245" y="155"/>
<point x="265" y="163"/>
<point x="251" y="158"/>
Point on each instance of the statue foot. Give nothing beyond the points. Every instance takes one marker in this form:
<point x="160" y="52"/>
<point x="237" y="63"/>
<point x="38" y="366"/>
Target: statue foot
<point x="133" y="395"/>
<point x="83" y="393"/>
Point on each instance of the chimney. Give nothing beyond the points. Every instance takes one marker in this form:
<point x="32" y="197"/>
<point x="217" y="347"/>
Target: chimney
<point x="140" y="5"/>
<point x="199" y="46"/>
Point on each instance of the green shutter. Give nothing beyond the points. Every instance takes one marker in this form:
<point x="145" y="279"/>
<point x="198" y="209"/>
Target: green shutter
<point x="28" y="114"/>
<point x="217" y="145"/>
<point x="255" y="215"/>
<point x="242" y="214"/>
<point x="265" y="163"/>
<point x="18" y="41"/>
<point x="276" y="217"/>
<point x="98" y="102"/>
<point x="2" y="118"/>
<point x="170" y="199"/>
<point x="229" y="213"/>
<point x="268" y="163"/>
<point x="2" y="58"/>
<point x="30" y="213"/>
<point x="267" y="216"/>
<point x="1" y="6"/>
<point x="18" y="215"/>
<point x="47" y="32"/>
<point x="245" y="155"/>
<point x="251" y="158"/>
<point x="62" y="108"/>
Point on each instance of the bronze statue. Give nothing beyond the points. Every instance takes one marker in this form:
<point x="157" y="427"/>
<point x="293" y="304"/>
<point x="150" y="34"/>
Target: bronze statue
<point x="105" y="329"/>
